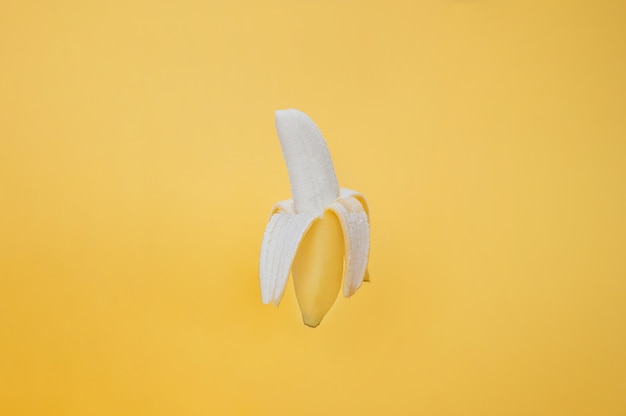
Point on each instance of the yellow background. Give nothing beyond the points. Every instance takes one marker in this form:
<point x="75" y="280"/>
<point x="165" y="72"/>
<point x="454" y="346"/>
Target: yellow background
<point x="139" y="162"/>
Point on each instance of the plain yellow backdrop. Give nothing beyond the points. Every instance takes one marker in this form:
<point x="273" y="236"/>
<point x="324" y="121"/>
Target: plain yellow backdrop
<point x="139" y="164"/>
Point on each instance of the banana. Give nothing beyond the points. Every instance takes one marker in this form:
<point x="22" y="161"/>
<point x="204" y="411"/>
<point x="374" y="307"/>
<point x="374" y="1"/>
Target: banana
<point x="321" y="235"/>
